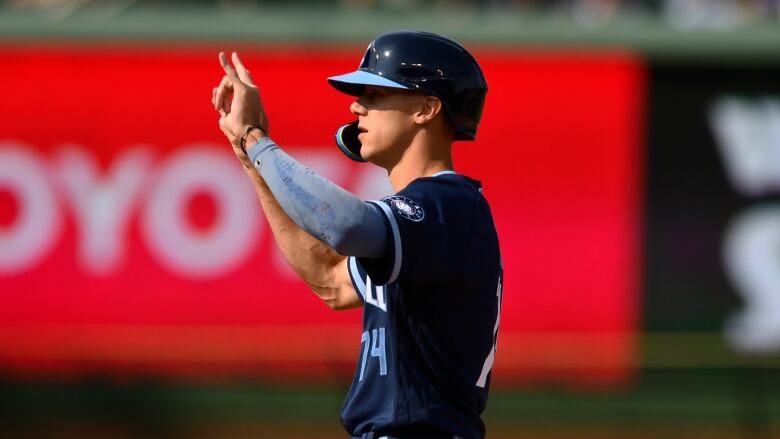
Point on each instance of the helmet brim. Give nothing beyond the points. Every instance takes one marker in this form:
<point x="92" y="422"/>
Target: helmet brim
<point x="353" y="83"/>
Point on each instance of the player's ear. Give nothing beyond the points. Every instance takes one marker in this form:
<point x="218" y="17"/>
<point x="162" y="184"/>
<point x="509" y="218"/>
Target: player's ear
<point x="429" y="107"/>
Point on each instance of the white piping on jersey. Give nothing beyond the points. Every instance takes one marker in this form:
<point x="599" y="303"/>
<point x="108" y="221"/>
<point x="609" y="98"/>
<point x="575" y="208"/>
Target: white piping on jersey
<point x="357" y="278"/>
<point x="443" y="173"/>
<point x="396" y="239"/>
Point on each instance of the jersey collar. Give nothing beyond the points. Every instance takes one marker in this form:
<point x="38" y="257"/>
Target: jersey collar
<point x="443" y="173"/>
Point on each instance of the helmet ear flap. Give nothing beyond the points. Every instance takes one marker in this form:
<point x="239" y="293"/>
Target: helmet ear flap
<point x="348" y="142"/>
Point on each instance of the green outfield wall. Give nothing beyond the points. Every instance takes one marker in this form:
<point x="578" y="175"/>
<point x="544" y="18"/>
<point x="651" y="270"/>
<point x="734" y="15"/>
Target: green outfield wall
<point x="315" y="24"/>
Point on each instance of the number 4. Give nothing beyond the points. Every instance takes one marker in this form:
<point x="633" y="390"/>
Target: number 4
<point x="488" y="365"/>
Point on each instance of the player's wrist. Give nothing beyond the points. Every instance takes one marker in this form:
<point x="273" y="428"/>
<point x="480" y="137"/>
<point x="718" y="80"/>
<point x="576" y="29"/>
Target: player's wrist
<point x="250" y="135"/>
<point x="253" y="135"/>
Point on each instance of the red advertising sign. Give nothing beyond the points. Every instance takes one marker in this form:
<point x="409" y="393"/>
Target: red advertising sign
<point x="131" y="241"/>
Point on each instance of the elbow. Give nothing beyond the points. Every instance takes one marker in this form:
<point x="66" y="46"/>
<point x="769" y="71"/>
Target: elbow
<point x="331" y="298"/>
<point x="331" y="301"/>
<point x="337" y="305"/>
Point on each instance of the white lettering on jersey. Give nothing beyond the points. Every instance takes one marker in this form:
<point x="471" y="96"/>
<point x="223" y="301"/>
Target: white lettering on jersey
<point x="375" y="295"/>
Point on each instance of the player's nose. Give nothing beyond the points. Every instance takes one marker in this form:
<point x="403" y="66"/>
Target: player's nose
<point x="357" y="109"/>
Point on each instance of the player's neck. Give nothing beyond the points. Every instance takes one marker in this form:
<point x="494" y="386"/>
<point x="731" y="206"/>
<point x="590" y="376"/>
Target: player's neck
<point x="422" y="159"/>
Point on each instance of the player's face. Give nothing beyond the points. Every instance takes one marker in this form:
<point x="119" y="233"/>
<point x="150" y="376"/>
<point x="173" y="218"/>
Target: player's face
<point x="386" y="121"/>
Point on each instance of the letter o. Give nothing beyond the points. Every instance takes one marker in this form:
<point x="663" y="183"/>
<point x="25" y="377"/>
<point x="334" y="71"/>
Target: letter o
<point x="35" y="230"/>
<point x="174" y="241"/>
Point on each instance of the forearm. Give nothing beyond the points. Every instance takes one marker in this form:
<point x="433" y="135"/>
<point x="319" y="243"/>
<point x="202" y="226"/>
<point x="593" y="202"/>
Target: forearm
<point x="310" y="258"/>
<point x="327" y="212"/>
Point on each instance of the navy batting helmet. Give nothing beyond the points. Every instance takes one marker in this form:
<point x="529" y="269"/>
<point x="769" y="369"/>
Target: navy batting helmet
<point x="421" y="61"/>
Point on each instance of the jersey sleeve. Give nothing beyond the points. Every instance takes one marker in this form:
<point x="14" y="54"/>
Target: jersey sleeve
<point x="424" y="240"/>
<point x="358" y="276"/>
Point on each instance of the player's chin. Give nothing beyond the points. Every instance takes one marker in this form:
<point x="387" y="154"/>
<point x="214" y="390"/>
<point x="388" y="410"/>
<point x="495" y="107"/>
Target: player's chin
<point x="376" y="157"/>
<point x="367" y="150"/>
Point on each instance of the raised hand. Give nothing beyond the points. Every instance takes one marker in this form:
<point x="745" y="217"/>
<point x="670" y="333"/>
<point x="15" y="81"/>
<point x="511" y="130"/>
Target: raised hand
<point x="237" y="99"/>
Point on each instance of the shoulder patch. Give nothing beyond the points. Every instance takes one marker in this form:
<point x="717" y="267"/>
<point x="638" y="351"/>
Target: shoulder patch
<point x="406" y="207"/>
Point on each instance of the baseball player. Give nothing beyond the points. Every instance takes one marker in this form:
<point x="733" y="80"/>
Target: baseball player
<point x="423" y="263"/>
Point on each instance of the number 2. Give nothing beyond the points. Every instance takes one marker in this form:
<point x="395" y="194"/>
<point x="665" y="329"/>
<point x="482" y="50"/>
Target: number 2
<point x="488" y="365"/>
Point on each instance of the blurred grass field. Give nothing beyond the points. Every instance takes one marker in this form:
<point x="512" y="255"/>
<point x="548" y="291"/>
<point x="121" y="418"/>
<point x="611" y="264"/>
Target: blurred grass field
<point x="724" y="403"/>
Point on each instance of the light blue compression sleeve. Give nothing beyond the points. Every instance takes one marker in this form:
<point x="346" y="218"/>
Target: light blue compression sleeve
<point x="326" y="211"/>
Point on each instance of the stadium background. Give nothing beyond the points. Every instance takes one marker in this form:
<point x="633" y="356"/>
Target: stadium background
<point x="630" y="151"/>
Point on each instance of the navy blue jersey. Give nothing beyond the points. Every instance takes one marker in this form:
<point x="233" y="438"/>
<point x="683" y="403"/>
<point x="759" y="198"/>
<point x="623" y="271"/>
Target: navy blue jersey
<point x="430" y="315"/>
